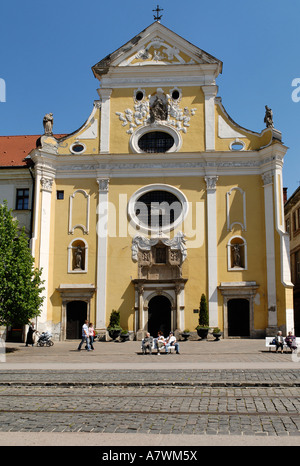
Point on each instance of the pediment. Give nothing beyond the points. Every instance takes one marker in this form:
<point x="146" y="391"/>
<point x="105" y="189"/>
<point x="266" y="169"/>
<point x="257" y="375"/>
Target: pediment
<point x="156" y="46"/>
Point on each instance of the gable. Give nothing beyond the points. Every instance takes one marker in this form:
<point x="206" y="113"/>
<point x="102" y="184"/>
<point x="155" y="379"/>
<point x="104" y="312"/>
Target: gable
<point x="156" y="45"/>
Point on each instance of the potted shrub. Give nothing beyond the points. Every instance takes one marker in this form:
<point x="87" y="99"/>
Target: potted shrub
<point x="114" y="329"/>
<point x="217" y="333"/>
<point x="203" y="327"/>
<point x="124" y="335"/>
<point x="185" y="334"/>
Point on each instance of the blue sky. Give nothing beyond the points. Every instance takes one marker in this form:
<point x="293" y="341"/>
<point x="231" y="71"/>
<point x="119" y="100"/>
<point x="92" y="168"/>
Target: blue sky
<point x="47" y="50"/>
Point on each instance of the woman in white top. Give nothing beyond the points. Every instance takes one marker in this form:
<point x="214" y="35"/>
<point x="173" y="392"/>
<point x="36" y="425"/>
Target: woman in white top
<point x="91" y="335"/>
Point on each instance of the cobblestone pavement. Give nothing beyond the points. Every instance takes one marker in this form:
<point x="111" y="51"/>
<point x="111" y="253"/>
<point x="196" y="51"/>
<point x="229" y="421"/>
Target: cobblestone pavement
<point x="210" y="402"/>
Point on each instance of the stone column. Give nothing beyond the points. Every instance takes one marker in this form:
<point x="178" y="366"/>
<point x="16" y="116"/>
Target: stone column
<point x="102" y="235"/>
<point x="211" y="212"/>
<point x="45" y="224"/>
<point x="270" y="250"/>
<point x="141" y="325"/>
<point x="105" y="120"/>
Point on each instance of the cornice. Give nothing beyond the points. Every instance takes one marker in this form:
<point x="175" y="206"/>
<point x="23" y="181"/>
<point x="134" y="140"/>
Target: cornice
<point x="177" y="164"/>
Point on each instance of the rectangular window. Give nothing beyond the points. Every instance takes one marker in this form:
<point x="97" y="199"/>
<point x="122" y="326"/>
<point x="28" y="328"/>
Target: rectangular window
<point x="22" y="202"/>
<point x="60" y="195"/>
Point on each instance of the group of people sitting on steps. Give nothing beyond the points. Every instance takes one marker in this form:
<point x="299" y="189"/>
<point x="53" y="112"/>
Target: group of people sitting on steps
<point x="159" y="343"/>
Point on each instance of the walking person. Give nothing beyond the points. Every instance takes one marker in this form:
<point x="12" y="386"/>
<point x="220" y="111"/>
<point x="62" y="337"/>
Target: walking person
<point x="91" y="335"/>
<point x="85" y="336"/>
<point x="29" y="337"/>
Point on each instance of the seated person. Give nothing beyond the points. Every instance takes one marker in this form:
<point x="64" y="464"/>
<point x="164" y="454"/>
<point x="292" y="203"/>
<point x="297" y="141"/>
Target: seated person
<point x="171" y="341"/>
<point x="159" y="342"/>
<point x="290" y="340"/>
<point x="147" y="343"/>
<point x="279" y="342"/>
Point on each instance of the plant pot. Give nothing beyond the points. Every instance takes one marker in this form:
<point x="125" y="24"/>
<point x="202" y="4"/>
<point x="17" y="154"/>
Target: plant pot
<point x="217" y="336"/>
<point x="202" y="333"/>
<point x="185" y="335"/>
<point x="114" y="334"/>
<point x="124" y="336"/>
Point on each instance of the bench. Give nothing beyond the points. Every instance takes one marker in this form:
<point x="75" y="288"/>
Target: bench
<point x="163" y="348"/>
<point x="269" y="340"/>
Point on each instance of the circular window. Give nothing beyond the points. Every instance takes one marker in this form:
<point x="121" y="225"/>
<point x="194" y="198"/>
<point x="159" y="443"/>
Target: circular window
<point x="175" y="94"/>
<point x="156" y="142"/>
<point x="237" y="145"/>
<point x="77" y="148"/>
<point x="157" y="208"/>
<point x="139" y="95"/>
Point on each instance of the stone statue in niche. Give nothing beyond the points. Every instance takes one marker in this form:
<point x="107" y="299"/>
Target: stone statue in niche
<point x="158" y="110"/>
<point x="78" y="258"/>
<point x="236" y="255"/>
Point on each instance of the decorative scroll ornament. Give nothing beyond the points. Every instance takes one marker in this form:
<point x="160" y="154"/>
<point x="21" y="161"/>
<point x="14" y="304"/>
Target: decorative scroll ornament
<point x="142" y="243"/>
<point x="142" y="114"/>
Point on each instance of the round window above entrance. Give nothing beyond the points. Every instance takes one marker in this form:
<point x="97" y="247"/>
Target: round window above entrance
<point x="157" y="208"/>
<point x="156" y="142"/>
<point x="155" y="139"/>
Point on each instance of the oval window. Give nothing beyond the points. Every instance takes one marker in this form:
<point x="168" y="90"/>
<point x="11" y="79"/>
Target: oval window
<point x="77" y="148"/>
<point x="237" y="146"/>
<point x="157" y="208"/>
<point x="156" y="142"/>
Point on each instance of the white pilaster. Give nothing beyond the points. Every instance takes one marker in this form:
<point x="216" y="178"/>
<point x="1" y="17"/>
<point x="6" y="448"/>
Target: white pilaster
<point x="211" y="182"/>
<point x="102" y="235"/>
<point x="210" y="93"/>
<point x="46" y="193"/>
<point x="105" y="120"/>
<point x="270" y="248"/>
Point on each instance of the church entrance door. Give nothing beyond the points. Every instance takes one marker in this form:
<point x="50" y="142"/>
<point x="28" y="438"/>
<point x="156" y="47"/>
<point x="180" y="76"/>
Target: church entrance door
<point x="76" y="315"/>
<point x="238" y="318"/>
<point x="159" y="315"/>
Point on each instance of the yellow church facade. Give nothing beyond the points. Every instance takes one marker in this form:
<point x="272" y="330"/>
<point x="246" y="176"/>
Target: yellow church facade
<point x="158" y="198"/>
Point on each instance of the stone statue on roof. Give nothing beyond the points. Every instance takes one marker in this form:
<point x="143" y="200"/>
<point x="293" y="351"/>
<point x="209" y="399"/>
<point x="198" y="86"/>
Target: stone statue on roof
<point x="48" y="124"/>
<point x="268" y="117"/>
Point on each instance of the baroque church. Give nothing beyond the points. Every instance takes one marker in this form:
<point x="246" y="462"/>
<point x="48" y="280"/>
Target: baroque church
<point x="158" y="198"/>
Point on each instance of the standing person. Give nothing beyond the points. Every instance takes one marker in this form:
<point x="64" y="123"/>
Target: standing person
<point x="85" y="336"/>
<point x="279" y="341"/>
<point x="29" y="338"/>
<point x="171" y="341"/>
<point x="91" y="335"/>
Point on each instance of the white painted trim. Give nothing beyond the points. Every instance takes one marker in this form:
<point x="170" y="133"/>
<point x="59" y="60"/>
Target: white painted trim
<point x="105" y="120"/>
<point x="270" y="250"/>
<point x="212" y="264"/>
<point x="85" y="228"/>
<point x="229" y="224"/>
<point x="45" y="221"/>
<point x="102" y="233"/>
<point x="210" y="93"/>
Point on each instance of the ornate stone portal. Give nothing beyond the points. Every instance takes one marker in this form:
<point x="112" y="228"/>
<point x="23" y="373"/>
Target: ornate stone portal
<point x="159" y="273"/>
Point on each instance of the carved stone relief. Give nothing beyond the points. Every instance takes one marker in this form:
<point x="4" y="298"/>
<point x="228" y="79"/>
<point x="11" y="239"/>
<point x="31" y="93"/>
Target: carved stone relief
<point x="160" y="107"/>
<point x="159" y="258"/>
